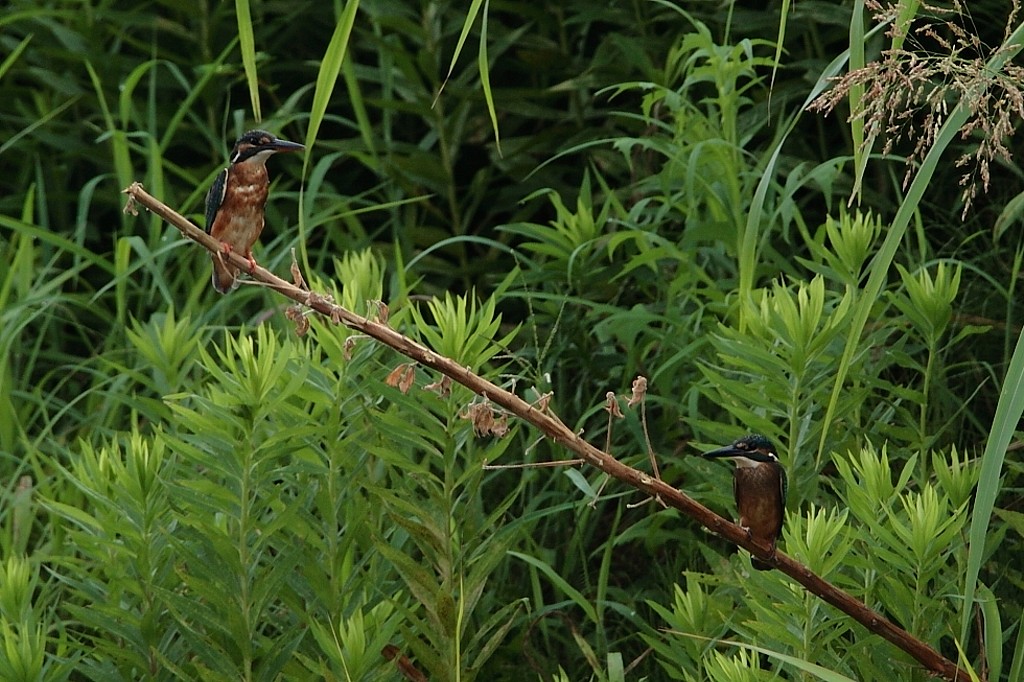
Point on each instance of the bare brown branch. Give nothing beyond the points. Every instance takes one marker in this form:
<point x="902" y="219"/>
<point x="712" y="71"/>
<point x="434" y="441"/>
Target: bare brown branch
<point x="559" y="433"/>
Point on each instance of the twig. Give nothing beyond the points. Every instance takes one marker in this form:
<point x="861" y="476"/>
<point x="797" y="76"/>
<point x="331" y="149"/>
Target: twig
<point x="561" y="434"/>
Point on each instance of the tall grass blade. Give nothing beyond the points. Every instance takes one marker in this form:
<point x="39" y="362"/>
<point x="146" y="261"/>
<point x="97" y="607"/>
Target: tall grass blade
<point x="247" y="44"/>
<point x="485" y="78"/>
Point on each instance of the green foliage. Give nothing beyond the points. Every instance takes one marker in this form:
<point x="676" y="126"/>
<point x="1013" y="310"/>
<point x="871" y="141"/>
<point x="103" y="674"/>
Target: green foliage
<point x="785" y="359"/>
<point x="465" y="332"/>
<point x="31" y="650"/>
<point x="261" y="533"/>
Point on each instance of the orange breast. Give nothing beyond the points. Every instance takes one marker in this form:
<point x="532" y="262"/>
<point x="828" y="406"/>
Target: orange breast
<point x="759" y="501"/>
<point x="239" y="220"/>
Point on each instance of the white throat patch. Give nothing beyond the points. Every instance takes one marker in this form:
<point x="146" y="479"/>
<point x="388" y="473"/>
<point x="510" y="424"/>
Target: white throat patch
<point x="259" y="158"/>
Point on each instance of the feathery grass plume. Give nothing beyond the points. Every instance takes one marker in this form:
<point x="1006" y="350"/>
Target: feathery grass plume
<point x="910" y="90"/>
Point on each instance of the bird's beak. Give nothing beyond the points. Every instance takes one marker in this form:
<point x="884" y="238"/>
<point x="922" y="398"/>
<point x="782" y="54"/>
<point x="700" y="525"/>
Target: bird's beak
<point x="284" y="146"/>
<point x="727" y="451"/>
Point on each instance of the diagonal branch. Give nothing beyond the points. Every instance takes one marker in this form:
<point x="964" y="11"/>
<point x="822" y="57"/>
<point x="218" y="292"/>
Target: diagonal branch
<point x="557" y="431"/>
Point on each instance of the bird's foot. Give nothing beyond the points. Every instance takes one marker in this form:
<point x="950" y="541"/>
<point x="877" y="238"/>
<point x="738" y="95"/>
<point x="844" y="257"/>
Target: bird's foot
<point x="219" y="254"/>
<point x="252" y="263"/>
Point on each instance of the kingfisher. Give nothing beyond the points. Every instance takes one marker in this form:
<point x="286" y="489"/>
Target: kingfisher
<point x="759" y="485"/>
<point x="235" y="202"/>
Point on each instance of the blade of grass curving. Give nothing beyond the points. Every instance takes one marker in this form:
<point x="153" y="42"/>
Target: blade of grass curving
<point x="993" y="633"/>
<point x="247" y="45"/>
<point x="13" y="56"/>
<point x="1008" y="413"/>
<point x="118" y="140"/>
<point x="1017" y="666"/>
<point x="326" y="79"/>
<point x="818" y="671"/>
<point x="122" y="266"/>
<point x="358" y="104"/>
<point x="780" y="40"/>
<point x="467" y="26"/>
<point x="861" y="149"/>
<point x="485" y="78"/>
<point x="444" y="243"/>
<point x="907" y="10"/>
<point x="560" y="583"/>
<point x="156" y="180"/>
<point x="861" y="152"/>
<point x="40" y="122"/>
<point x="46" y="236"/>
<point x="191" y="94"/>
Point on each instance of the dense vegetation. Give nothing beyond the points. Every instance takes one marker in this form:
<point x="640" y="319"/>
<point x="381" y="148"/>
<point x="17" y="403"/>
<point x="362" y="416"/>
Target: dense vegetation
<point x="597" y="191"/>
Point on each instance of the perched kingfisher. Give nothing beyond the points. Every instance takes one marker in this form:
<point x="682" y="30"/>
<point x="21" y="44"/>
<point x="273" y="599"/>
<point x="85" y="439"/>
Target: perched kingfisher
<point x="235" y="202"/>
<point x="759" y="486"/>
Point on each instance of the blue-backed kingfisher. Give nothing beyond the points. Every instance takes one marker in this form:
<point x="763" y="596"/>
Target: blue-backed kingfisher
<point x="759" y="486"/>
<point x="235" y="202"/>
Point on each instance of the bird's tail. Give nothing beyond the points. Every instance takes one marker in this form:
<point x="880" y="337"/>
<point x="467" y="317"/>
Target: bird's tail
<point x="225" y="275"/>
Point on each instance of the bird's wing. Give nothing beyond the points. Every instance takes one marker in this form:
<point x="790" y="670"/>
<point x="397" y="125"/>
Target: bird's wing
<point x="215" y="197"/>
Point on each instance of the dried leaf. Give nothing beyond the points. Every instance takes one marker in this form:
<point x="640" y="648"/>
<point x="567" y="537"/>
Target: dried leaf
<point x="130" y="207"/>
<point x="639" y="391"/>
<point x="402" y="377"/>
<point x="350" y="344"/>
<point x="295" y="314"/>
<point x="484" y="421"/>
<point x="405" y="666"/>
<point x="407" y="379"/>
<point x="297" y="279"/>
<point x="611" y="405"/>
<point x="500" y="426"/>
<point x="481" y="416"/>
<point x="382" y="312"/>
<point x="443" y="386"/>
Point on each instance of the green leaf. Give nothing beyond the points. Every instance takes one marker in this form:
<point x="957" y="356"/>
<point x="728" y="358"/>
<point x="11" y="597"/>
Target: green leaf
<point x="247" y="44"/>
